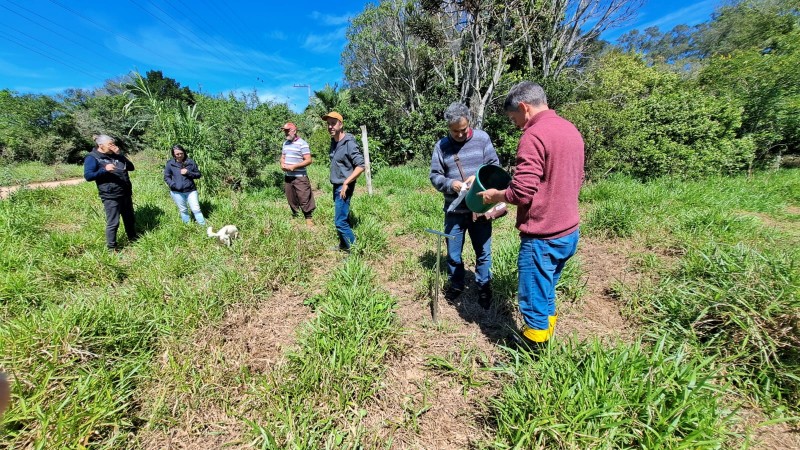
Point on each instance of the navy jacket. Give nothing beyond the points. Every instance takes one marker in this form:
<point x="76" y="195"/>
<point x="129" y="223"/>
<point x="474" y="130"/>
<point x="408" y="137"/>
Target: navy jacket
<point x="110" y="185"/>
<point x="178" y="182"/>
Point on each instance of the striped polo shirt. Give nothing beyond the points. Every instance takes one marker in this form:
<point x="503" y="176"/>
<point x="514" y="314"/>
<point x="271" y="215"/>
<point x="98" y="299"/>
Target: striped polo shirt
<point x="293" y="152"/>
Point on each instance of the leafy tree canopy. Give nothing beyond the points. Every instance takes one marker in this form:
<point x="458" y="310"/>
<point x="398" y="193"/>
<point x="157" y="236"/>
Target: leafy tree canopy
<point x="164" y="88"/>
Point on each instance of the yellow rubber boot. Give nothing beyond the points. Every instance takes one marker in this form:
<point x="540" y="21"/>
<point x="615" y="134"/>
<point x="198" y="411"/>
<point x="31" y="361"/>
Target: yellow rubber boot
<point x="551" y="320"/>
<point x="538" y="336"/>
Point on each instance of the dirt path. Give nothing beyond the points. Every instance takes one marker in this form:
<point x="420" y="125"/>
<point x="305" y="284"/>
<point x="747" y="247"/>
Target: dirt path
<point x="5" y="191"/>
<point x="211" y="398"/>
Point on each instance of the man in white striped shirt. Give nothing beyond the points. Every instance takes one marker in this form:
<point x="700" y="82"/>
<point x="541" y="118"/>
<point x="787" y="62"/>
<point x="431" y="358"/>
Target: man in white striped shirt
<point x="295" y="156"/>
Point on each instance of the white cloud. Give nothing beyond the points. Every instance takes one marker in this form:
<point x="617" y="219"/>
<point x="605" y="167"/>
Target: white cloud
<point x="690" y="15"/>
<point x="334" y="21"/>
<point x="176" y="54"/>
<point x="324" y="43"/>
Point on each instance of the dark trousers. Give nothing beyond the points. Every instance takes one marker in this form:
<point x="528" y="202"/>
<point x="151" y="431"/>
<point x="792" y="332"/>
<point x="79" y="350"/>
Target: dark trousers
<point x="114" y="208"/>
<point x="298" y="193"/>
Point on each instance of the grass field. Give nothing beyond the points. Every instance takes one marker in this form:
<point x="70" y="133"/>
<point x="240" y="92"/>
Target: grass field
<point x="679" y="323"/>
<point x="35" y="172"/>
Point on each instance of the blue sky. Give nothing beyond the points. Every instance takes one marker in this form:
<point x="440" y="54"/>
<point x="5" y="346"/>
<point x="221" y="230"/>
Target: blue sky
<point x="213" y="46"/>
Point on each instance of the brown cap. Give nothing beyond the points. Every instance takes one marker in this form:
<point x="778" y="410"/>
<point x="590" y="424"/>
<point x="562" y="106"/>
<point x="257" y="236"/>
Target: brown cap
<point x="289" y="126"/>
<point x="333" y="115"/>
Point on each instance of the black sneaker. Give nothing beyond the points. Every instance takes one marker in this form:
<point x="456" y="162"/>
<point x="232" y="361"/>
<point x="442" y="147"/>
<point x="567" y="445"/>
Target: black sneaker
<point x="452" y="293"/>
<point x="520" y="342"/>
<point x="485" y="297"/>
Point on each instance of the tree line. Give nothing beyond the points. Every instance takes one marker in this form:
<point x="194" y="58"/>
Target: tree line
<point x="719" y="97"/>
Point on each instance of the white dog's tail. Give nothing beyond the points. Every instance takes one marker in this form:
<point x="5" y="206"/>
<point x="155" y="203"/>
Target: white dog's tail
<point x="210" y="232"/>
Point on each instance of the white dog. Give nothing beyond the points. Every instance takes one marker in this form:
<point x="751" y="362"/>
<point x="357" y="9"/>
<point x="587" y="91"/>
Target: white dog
<point x="226" y="234"/>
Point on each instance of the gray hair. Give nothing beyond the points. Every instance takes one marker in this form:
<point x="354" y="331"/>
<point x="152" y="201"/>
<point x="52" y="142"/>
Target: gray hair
<point x="457" y="111"/>
<point x="525" y="92"/>
<point x="100" y="139"/>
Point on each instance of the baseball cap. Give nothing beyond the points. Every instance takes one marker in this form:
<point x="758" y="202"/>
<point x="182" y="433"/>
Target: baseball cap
<point x="333" y="115"/>
<point x="289" y="126"/>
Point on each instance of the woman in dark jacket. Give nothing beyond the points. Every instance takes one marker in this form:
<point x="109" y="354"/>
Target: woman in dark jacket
<point x="179" y="174"/>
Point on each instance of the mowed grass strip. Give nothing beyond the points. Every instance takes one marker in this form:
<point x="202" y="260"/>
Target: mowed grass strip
<point x="317" y="398"/>
<point x="21" y="173"/>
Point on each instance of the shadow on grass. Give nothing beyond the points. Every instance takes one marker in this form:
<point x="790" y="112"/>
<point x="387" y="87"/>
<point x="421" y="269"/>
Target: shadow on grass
<point x="148" y="217"/>
<point x="206" y="207"/>
<point x="496" y="323"/>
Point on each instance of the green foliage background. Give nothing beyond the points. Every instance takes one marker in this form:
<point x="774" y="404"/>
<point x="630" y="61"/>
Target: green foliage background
<point x="717" y="98"/>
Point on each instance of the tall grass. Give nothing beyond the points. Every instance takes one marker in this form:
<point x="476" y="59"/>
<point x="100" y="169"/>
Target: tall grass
<point x="733" y="290"/>
<point x="627" y="396"/>
<point x="83" y="331"/>
<point x="742" y="305"/>
<point x="80" y="327"/>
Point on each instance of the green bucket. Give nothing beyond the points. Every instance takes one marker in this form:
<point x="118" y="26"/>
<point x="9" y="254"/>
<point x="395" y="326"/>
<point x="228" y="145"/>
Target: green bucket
<point x="487" y="177"/>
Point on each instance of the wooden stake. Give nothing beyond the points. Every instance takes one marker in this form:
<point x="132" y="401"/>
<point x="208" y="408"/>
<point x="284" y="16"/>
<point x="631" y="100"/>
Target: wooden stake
<point x="365" y="144"/>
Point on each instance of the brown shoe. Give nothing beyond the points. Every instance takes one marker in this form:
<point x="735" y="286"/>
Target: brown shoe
<point x="309" y="222"/>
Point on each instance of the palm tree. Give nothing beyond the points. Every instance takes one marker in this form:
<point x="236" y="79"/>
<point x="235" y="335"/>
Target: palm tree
<point x="330" y="98"/>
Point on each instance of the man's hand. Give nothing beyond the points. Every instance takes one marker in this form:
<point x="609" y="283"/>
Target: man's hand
<point x="458" y="184"/>
<point x="343" y="192"/>
<point x="110" y="167"/>
<point x="490" y="196"/>
<point x="184" y="171"/>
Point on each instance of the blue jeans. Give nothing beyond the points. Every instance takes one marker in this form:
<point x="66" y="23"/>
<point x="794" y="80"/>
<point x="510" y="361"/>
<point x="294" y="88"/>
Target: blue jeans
<point x="480" y="233"/>
<point x="341" y="216"/>
<point x="182" y="199"/>
<point x="539" y="264"/>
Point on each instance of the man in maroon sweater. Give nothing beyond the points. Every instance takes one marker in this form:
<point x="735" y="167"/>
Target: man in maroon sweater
<point x="545" y="186"/>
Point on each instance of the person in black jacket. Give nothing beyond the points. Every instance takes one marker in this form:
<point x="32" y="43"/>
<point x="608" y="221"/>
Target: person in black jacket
<point x="107" y="167"/>
<point x="179" y="174"/>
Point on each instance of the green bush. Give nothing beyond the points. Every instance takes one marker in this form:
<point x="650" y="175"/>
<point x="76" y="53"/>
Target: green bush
<point x="682" y="132"/>
<point x="37" y="128"/>
<point x="647" y="123"/>
<point x="761" y="76"/>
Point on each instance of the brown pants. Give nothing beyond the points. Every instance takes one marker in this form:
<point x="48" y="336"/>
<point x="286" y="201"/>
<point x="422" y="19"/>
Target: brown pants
<point x="298" y="193"/>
